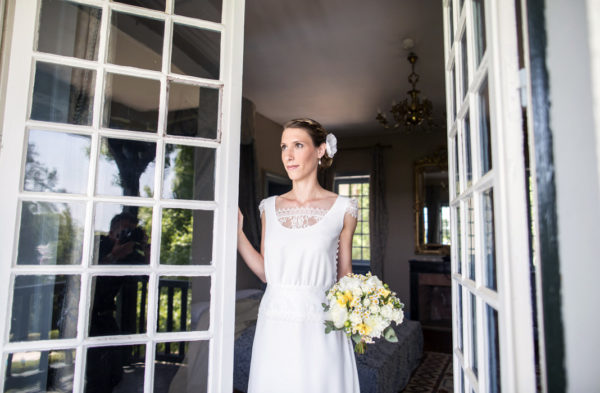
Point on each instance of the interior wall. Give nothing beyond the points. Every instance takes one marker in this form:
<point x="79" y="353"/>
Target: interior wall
<point x="577" y="186"/>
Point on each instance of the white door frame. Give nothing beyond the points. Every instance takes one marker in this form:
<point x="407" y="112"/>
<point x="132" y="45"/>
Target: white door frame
<point x="18" y="70"/>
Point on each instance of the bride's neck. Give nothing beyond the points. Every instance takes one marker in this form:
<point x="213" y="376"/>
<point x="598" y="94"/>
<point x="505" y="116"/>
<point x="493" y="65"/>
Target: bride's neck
<point x="306" y="190"/>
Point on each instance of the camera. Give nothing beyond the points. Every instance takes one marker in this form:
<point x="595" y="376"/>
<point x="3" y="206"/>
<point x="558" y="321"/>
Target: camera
<point x="131" y="235"/>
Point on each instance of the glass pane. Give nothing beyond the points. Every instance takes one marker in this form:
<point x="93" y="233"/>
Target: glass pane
<point x="189" y="172"/>
<point x="187" y="237"/>
<point x="453" y="102"/>
<point x="184" y="304"/>
<point x="118" y="305"/>
<point x="467" y="150"/>
<point x="451" y="21"/>
<point x="44" y="307"/>
<point x="459" y="319"/>
<point x="196" y="52"/>
<point x="69" y="29"/>
<point x="458" y="230"/>
<point x="51" y="233"/>
<point x="457" y="167"/>
<point x="63" y="94"/>
<point x="122" y="234"/>
<point x="50" y="158"/>
<point x="464" y="66"/>
<point x="115" y="369"/>
<point x="158" y="5"/>
<point x="136" y="41"/>
<point x="484" y="129"/>
<point x="126" y="167"/>
<point x="474" y="361"/>
<point x="131" y="103"/>
<point x="193" y="110"/>
<point x="470" y="238"/>
<point x="489" y="236"/>
<point x="493" y="350"/>
<point x="344" y="189"/>
<point x="46" y="371"/>
<point x="207" y="10"/>
<point x="181" y="367"/>
<point x="479" y="16"/>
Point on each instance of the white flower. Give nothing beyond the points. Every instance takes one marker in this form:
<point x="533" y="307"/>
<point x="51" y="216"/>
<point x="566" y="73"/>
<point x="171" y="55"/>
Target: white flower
<point x="398" y="316"/>
<point x="338" y="315"/>
<point x="355" y="317"/>
<point x="331" y="145"/>
<point x="374" y="309"/>
<point x="387" y="311"/>
<point x="366" y="302"/>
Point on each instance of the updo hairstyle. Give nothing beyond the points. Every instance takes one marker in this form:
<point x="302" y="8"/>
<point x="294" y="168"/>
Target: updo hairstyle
<point x="317" y="134"/>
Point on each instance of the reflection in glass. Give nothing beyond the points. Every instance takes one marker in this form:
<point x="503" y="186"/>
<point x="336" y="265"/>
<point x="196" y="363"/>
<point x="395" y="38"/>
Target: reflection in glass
<point x="158" y="5"/>
<point x="50" y="159"/>
<point x="193" y="110"/>
<point x="186" y="237"/>
<point x="464" y="66"/>
<point x="474" y="362"/>
<point x="453" y="94"/>
<point x="484" y="129"/>
<point x="136" y="41"/>
<point x="118" y="305"/>
<point x="63" y="94"/>
<point x="206" y="10"/>
<point x="131" y="103"/>
<point x="434" y="196"/>
<point x="51" y="233"/>
<point x="196" y="52"/>
<point x="115" y="369"/>
<point x="458" y="240"/>
<point x="493" y="349"/>
<point x="126" y="167"/>
<point x="459" y="320"/>
<point x="467" y="151"/>
<point x="69" y="29"/>
<point x="184" y="304"/>
<point x="44" y="307"/>
<point x="181" y="367"/>
<point x="46" y="371"/>
<point x="471" y="238"/>
<point x="479" y="16"/>
<point x="489" y="243"/>
<point x="457" y="168"/>
<point x="189" y="172"/>
<point x="122" y="234"/>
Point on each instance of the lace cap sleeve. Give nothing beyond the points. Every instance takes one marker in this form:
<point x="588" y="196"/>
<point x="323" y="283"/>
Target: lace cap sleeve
<point x="352" y="207"/>
<point x="261" y="207"/>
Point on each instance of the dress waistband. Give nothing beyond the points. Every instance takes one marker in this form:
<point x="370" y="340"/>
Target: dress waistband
<point x="297" y="287"/>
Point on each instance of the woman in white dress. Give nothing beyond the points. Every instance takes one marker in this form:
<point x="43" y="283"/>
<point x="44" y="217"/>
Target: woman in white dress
<point x="306" y="247"/>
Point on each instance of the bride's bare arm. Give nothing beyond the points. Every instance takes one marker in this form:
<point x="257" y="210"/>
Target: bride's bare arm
<point x="345" y="248"/>
<point x="253" y="259"/>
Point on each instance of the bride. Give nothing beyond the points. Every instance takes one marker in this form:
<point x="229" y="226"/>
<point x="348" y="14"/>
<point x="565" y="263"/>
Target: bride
<point x="306" y="247"/>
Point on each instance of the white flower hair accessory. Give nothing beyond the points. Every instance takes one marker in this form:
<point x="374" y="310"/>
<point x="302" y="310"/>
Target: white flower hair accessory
<point x="330" y="145"/>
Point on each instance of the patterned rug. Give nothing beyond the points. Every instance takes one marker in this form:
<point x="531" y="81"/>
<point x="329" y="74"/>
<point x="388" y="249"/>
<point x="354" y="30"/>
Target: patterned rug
<point x="434" y="375"/>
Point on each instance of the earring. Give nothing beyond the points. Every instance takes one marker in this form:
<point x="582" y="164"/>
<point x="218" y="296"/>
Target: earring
<point x="319" y="161"/>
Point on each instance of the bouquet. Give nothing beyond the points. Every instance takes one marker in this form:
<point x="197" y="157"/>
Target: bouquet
<point x="363" y="307"/>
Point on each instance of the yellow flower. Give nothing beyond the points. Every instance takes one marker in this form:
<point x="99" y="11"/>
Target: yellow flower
<point x="363" y="329"/>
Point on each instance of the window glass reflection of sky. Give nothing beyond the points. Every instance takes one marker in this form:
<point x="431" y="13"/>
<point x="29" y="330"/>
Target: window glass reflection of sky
<point x="57" y="162"/>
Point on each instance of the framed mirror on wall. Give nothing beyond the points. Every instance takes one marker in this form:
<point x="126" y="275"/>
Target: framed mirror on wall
<point x="432" y="207"/>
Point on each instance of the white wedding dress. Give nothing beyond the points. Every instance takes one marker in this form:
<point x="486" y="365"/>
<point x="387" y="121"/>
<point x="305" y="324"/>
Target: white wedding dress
<point x="291" y="352"/>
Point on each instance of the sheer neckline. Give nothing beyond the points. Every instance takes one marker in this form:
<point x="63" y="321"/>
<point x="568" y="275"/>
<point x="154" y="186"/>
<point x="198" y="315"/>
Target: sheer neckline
<point x="292" y="208"/>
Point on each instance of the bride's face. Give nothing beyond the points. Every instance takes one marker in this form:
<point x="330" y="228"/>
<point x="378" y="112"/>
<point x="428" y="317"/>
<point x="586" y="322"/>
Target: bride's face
<point x="299" y="155"/>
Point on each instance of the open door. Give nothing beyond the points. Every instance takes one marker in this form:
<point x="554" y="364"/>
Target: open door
<point x="119" y="169"/>
<point x="490" y="254"/>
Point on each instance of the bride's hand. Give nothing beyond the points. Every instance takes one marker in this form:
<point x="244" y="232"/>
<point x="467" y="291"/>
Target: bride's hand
<point x="240" y="221"/>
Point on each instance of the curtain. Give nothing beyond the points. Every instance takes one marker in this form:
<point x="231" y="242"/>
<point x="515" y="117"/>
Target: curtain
<point x="378" y="216"/>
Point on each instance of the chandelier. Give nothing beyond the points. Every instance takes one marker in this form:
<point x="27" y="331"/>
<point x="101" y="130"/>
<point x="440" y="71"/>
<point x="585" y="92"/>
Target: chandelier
<point x="412" y="112"/>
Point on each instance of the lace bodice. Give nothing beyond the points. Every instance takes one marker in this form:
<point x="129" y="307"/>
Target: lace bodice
<point x="305" y="216"/>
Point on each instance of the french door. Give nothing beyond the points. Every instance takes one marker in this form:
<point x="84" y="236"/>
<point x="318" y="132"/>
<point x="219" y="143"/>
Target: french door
<point x="119" y="168"/>
<point x="493" y="346"/>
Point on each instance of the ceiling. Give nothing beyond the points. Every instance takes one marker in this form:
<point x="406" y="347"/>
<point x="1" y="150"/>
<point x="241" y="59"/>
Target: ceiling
<point x="337" y="61"/>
